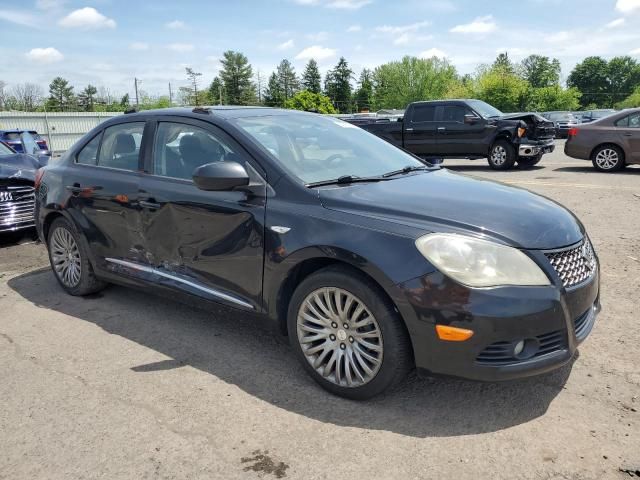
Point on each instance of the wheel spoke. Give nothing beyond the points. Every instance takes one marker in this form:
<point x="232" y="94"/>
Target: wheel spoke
<point x="65" y="257"/>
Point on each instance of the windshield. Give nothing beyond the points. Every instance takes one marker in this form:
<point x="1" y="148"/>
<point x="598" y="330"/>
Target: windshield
<point x="316" y="148"/>
<point x="4" y="150"/>
<point x="601" y="113"/>
<point x="559" y="116"/>
<point x="484" y="109"/>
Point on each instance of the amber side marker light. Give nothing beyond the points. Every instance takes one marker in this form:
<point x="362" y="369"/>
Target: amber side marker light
<point x="453" y="334"/>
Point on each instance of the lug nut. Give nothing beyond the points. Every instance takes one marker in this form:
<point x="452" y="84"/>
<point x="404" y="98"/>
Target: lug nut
<point x="351" y="339"/>
<point x="343" y="346"/>
<point x="334" y="324"/>
<point x="332" y="337"/>
<point x="345" y="325"/>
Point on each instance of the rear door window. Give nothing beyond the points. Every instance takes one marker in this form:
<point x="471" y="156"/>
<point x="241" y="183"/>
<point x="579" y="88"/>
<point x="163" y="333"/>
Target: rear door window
<point x="120" y="146"/>
<point x="423" y="113"/>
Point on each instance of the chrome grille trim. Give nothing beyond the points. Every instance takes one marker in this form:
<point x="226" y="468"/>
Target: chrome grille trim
<point x="18" y="212"/>
<point x="574" y="265"/>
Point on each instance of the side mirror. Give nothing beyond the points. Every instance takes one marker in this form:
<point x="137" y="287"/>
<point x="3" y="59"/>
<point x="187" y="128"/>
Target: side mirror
<point x="218" y="176"/>
<point x="43" y="160"/>
<point x="471" y="119"/>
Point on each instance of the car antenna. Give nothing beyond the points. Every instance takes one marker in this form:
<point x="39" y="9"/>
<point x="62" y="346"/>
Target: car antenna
<point x="131" y="110"/>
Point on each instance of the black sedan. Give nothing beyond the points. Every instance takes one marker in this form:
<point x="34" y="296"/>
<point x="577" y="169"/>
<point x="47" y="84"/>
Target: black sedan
<point x="371" y="260"/>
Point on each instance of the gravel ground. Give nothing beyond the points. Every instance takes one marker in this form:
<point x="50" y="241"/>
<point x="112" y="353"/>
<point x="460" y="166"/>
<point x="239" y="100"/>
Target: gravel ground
<point x="128" y="385"/>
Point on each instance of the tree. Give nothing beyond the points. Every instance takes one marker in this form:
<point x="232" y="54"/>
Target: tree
<point x="632" y="101"/>
<point x="124" y="101"/>
<point x="3" y="95"/>
<point x="311" y="78"/>
<point x="272" y="94"/>
<point x="364" y="94"/>
<point x="287" y="80"/>
<point x="26" y="97"/>
<point x="591" y="77"/>
<point x="236" y="77"/>
<point x="541" y="71"/>
<point x="398" y="83"/>
<point x="216" y="91"/>
<point x="503" y="63"/>
<point x="504" y="90"/>
<point x="545" y="99"/>
<point x="338" y="86"/>
<point x="624" y="76"/>
<point x="310" y="102"/>
<point x="86" y="99"/>
<point x="193" y="79"/>
<point x="60" y="95"/>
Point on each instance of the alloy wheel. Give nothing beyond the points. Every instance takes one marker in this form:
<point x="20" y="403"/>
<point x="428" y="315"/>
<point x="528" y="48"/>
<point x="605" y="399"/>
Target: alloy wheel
<point x="607" y="158"/>
<point x="65" y="256"/>
<point x="340" y="337"/>
<point x="498" y="155"/>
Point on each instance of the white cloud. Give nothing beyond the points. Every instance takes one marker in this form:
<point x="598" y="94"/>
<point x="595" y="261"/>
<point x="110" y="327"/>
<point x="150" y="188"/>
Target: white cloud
<point x="139" y="46"/>
<point x="479" y="25"/>
<point x="316" y="52"/>
<point x="19" y="18"/>
<point x="432" y="52"/>
<point x="44" y="55"/>
<point x="87" y="18"/>
<point x="400" y="29"/>
<point x="627" y="6"/>
<point x="338" y="4"/>
<point x="354" y="28"/>
<point x="635" y="52"/>
<point x="50" y="4"/>
<point x="175" y="25"/>
<point x="615" y="23"/>
<point x="180" y="47"/>
<point x="286" y="45"/>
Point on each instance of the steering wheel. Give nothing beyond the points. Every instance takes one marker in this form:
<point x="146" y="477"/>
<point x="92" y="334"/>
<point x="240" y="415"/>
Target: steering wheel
<point x="335" y="159"/>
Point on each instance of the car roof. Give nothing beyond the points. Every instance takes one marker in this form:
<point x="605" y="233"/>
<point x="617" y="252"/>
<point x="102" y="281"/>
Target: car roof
<point x="221" y="111"/>
<point x="18" y="130"/>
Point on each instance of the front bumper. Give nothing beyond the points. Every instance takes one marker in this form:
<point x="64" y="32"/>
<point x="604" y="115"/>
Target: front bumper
<point x="553" y="319"/>
<point x="530" y="149"/>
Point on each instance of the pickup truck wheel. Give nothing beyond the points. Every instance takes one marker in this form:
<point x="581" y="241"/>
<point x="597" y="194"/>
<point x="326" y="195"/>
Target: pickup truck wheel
<point x="347" y="334"/>
<point x="502" y="155"/>
<point x="528" y="162"/>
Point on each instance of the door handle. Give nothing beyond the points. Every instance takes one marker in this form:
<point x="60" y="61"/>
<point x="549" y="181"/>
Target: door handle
<point x="441" y="129"/>
<point x="408" y="129"/>
<point x="146" y="204"/>
<point x="628" y="134"/>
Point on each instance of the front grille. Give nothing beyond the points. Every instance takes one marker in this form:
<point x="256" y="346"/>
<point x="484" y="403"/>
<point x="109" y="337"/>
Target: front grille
<point x="17" y="203"/>
<point x="574" y="265"/>
<point x="501" y="353"/>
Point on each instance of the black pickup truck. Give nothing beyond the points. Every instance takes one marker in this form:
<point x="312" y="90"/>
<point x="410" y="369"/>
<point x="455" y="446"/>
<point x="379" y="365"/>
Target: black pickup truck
<point x="466" y="128"/>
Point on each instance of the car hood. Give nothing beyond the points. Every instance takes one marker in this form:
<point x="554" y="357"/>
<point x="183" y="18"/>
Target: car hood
<point x="441" y="201"/>
<point x="18" y="166"/>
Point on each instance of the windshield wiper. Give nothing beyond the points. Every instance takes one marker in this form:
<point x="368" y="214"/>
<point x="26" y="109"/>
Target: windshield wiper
<point x="345" y="179"/>
<point x="405" y="170"/>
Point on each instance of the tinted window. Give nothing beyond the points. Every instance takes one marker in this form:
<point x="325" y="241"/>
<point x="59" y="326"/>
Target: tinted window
<point x="30" y="145"/>
<point x="12" y="136"/>
<point x="455" y="113"/>
<point x="89" y="153"/>
<point x="181" y="148"/>
<point x="423" y="113"/>
<point x="4" y="150"/>
<point x="120" y="147"/>
<point x="630" y="121"/>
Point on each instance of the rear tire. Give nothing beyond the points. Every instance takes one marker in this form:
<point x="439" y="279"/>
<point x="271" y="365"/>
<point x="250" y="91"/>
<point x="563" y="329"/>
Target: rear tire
<point x="528" y="162"/>
<point x="347" y="334"/>
<point x="608" y="158"/>
<point x="70" y="260"/>
<point x="502" y="155"/>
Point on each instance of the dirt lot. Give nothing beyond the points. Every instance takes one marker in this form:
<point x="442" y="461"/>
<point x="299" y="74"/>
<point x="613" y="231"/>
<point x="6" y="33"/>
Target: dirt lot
<point x="128" y="385"/>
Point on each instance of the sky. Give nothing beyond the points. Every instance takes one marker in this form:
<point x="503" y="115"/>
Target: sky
<point x="110" y="42"/>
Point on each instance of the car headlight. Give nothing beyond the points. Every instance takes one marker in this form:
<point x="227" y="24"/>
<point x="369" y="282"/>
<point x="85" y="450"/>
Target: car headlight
<point x="479" y="263"/>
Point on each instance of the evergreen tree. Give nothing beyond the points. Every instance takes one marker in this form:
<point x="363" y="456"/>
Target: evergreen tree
<point x="60" y="95"/>
<point x="311" y="78"/>
<point x="364" y="95"/>
<point x="86" y="99"/>
<point x="124" y="101"/>
<point x="236" y="75"/>
<point x="287" y="80"/>
<point x="338" y="86"/>
<point x="216" y="91"/>
<point x="503" y="63"/>
<point x="272" y="94"/>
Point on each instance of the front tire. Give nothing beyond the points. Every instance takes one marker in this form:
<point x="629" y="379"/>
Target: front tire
<point x="69" y="260"/>
<point x="502" y="155"/>
<point x="608" y="158"/>
<point x="347" y="334"/>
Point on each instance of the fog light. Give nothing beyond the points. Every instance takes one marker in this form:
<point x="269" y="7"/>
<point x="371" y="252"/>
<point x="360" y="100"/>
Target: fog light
<point x="517" y="350"/>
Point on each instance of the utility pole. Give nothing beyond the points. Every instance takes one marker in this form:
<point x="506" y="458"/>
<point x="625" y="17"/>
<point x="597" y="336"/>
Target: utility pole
<point x="170" y="95"/>
<point x="135" y="82"/>
<point x="220" y="92"/>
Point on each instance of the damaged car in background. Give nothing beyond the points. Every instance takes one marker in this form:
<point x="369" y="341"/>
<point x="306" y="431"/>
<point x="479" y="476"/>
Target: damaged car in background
<point x="17" y="175"/>
<point x="466" y="129"/>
